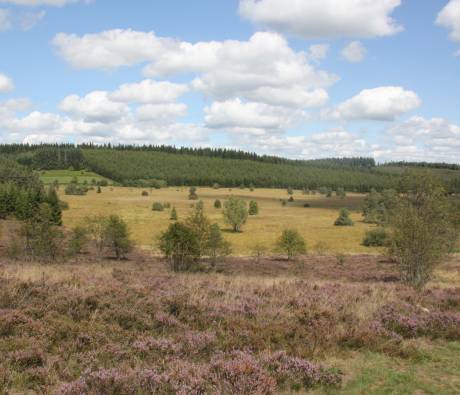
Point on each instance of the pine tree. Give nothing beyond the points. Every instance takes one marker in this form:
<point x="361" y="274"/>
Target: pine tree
<point x="53" y="200"/>
<point x="173" y="216"/>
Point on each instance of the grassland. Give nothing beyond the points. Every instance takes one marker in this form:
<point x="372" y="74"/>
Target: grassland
<point x="314" y="223"/>
<point x="65" y="176"/>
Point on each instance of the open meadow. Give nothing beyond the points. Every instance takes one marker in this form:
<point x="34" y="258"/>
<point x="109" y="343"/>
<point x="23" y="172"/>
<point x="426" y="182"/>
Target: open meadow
<point x="315" y="223"/>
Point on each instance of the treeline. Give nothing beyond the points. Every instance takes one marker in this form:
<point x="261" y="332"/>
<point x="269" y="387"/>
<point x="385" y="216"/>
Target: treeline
<point x="127" y="167"/>
<point x="69" y="154"/>
<point x="428" y="165"/>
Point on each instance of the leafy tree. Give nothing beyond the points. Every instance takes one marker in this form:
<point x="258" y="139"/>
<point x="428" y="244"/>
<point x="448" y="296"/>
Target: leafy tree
<point x="199" y="223"/>
<point x="423" y="228"/>
<point x="216" y="245"/>
<point x="77" y="241"/>
<point x="292" y="243"/>
<point x="235" y="213"/>
<point x="116" y="236"/>
<point x="173" y="216"/>
<point x="42" y="239"/>
<point x="218" y="204"/>
<point x="253" y="208"/>
<point x="181" y="247"/>
<point x="192" y="195"/>
<point x="344" y="218"/>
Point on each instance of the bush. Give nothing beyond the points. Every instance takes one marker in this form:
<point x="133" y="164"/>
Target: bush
<point x="157" y="206"/>
<point x="173" y="216"/>
<point x="291" y="199"/>
<point x="253" y="208"/>
<point x="217" y="247"/>
<point x="77" y="241"/>
<point x="181" y="247"/>
<point x="344" y="218"/>
<point x="375" y="238"/>
<point x="116" y="237"/>
<point x="292" y="243"/>
<point x="235" y="213"/>
<point x="218" y="204"/>
<point x="144" y="193"/>
<point x="192" y="195"/>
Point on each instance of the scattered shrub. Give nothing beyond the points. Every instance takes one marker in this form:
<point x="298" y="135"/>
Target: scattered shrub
<point x="344" y="218"/>
<point x="375" y="238"/>
<point x="253" y="208"/>
<point x="235" y="213"/>
<point x="157" y="206"/>
<point x="292" y="243"/>
<point x="218" y="204"/>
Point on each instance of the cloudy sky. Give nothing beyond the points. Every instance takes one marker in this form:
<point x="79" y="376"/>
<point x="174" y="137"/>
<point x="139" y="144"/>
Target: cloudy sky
<point x="298" y="78"/>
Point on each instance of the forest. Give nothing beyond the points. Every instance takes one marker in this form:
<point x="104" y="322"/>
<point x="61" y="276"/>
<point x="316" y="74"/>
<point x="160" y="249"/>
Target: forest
<point x="160" y="165"/>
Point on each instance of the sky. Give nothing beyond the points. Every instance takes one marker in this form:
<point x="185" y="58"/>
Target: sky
<point x="296" y="78"/>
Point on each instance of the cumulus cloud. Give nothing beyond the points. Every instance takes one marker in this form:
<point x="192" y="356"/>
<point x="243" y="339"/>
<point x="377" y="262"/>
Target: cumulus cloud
<point x="149" y="91"/>
<point x="6" y="85"/>
<point x="449" y="17"/>
<point x="378" y="104"/>
<point x="355" y="52"/>
<point x="251" y="118"/>
<point x="324" y="18"/>
<point x="95" y="106"/>
<point x="421" y="139"/>
<point x="264" y="68"/>
<point x="318" y="51"/>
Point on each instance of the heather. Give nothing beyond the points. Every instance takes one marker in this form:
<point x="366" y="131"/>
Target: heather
<point x="246" y="327"/>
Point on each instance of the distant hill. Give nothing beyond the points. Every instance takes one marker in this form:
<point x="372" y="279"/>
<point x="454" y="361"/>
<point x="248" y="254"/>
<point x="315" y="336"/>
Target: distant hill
<point x="155" y="165"/>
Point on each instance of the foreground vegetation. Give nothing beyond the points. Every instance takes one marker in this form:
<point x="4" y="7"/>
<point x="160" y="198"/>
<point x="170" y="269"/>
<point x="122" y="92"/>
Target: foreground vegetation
<point x="269" y="327"/>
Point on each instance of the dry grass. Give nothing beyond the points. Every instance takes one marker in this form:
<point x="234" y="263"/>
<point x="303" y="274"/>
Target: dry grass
<point x="314" y="223"/>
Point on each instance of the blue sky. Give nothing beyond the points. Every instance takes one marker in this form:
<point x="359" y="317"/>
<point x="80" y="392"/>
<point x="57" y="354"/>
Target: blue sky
<point x="316" y="79"/>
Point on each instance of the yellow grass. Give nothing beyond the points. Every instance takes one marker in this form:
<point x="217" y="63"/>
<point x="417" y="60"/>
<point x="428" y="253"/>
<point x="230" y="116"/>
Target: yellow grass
<point x="315" y="223"/>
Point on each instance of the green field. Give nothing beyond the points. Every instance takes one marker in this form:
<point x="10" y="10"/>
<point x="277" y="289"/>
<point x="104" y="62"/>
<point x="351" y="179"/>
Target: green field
<point x="65" y="176"/>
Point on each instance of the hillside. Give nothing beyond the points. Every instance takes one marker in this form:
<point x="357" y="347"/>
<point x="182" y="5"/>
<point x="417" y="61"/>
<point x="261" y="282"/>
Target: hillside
<point x="157" y="165"/>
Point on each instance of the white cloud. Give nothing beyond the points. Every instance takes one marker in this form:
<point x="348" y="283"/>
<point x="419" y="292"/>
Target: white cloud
<point x="264" y="68"/>
<point x="324" y="18"/>
<point x="422" y="139"/>
<point x="318" y="51"/>
<point x="6" y="85"/>
<point x="449" y="17"/>
<point x="354" y="52"/>
<point x="251" y="118"/>
<point x="5" y="20"/>
<point x="149" y="91"/>
<point x="95" y="106"/>
<point x="28" y="20"/>
<point x="379" y="104"/>
<point x="161" y="112"/>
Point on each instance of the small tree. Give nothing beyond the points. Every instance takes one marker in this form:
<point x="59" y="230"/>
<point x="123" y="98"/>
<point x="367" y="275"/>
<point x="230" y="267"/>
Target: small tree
<point x="180" y="246"/>
<point x="253" y="208"/>
<point x="423" y="228"/>
<point x="216" y="185"/>
<point x="218" y="204"/>
<point x="199" y="223"/>
<point x="290" y="191"/>
<point x="96" y="226"/>
<point x="258" y="251"/>
<point x="53" y="200"/>
<point x="341" y="193"/>
<point x="99" y="190"/>
<point x="292" y="243"/>
<point x="77" y="241"/>
<point x="192" y="195"/>
<point x="116" y="237"/>
<point x="344" y="218"/>
<point x="235" y="213"/>
<point x="173" y="216"/>
<point x="216" y="246"/>
<point x="42" y="238"/>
